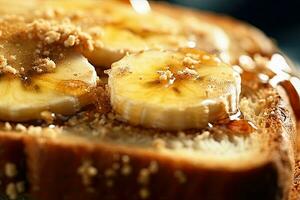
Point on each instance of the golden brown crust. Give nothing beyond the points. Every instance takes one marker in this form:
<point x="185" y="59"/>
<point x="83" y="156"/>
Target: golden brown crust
<point x="295" y="194"/>
<point x="12" y="164"/>
<point x="188" y="181"/>
<point x="60" y="169"/>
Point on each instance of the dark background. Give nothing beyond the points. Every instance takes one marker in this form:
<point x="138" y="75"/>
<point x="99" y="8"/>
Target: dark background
<point x="279" y="19"/>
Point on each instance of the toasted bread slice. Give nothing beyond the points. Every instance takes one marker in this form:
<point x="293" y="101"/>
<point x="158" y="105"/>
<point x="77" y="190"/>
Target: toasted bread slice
<point x="295" y="194"/>
<point x="96" y="156"/>
<point x="116" y="161"/>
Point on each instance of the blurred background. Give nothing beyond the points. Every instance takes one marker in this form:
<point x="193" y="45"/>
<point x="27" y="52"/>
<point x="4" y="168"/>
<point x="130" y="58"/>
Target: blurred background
<point x="279" y="19"/>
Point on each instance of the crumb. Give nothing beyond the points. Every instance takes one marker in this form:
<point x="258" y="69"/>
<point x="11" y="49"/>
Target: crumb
<point x="65" y="33"/>
<point x="7" y="126"/>
<point x="165" y="75"/>
<point x="51" y="37"/>
<point x="126" y="170"/>
<point x="13" y="57"/>
<point x="48" y="116"/>
<point x="11" y="191"/>
<point x="143" y="177"/>
<point x="5" y="67"/>
<point x="10" y="170"/>
<point x="187" y="73"/>
<point x="44" y="65"/>
<point x="144" y="193"/>
<point x="153" y="167"/>
<point x="125" y="159"/>
<point x="70" y="41"/>
<point x="21" y="128"/>
<point x="20" y="186"/>
<point x="179" y="175"/>
<point x="87" y="172"/>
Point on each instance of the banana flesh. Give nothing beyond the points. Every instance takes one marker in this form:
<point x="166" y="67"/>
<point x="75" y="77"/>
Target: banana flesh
<point x="173" y="90"/>
<point x="29" y="85"/>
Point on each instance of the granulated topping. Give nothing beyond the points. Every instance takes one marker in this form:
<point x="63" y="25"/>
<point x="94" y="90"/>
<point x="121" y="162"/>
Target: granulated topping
<point x="5" y="67"/>
<point x="10" y="170"/>
<point x="165" y="75"/>
<point x="87" y="172"/>
<point x="64" y="33"/>
<point x="187" y="73"/>
<point x="44" y="65"/>
<point x="11" y="191"/>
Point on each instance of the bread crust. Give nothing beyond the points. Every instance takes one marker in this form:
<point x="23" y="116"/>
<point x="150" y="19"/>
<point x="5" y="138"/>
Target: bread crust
<point x="53" y="170"/>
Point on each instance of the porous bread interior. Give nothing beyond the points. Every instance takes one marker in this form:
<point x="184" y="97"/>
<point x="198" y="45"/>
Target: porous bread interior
<point x="216" y="146"/>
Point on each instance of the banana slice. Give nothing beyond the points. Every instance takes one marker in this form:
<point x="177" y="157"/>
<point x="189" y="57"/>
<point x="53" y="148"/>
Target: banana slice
<point x="111" y="44"/>
<point x="34" y="79"/>
<point x="173" y="90"/>
<point x="17" y="6"/>
<point x="117" y="29"/>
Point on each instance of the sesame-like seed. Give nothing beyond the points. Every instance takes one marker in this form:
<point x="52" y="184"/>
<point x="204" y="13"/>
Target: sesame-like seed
<point x="153" y="167"/>
<point x="70" y="41"/>
<point x="7" y="126"/>
<point x="13" y="57"/>
<point x="5" y="67"/>
<point x="21" y="128"/>
<point x="20" y="186"/>
<point x="125" y="159"/>
<point x="165" y="75"/>
<point x="10" y="170"/>
<point x="143" y="177"/>
<point x="126" y="170"/>
<point x="48" y="116"/>
<point x="11" y="191"/>
<point x="180" y="176"/>
<point x="51" y="37"/>
<point x="144" y="193"/>
<point x="87" y="172"/>
<point x="44" y="65"/>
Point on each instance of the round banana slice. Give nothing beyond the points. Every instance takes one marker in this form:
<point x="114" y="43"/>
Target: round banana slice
<point x="111" y="44"/>
<point x="116" y="29"/>
<point x="36" y="78"/>
<point x="173" y="90"/>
